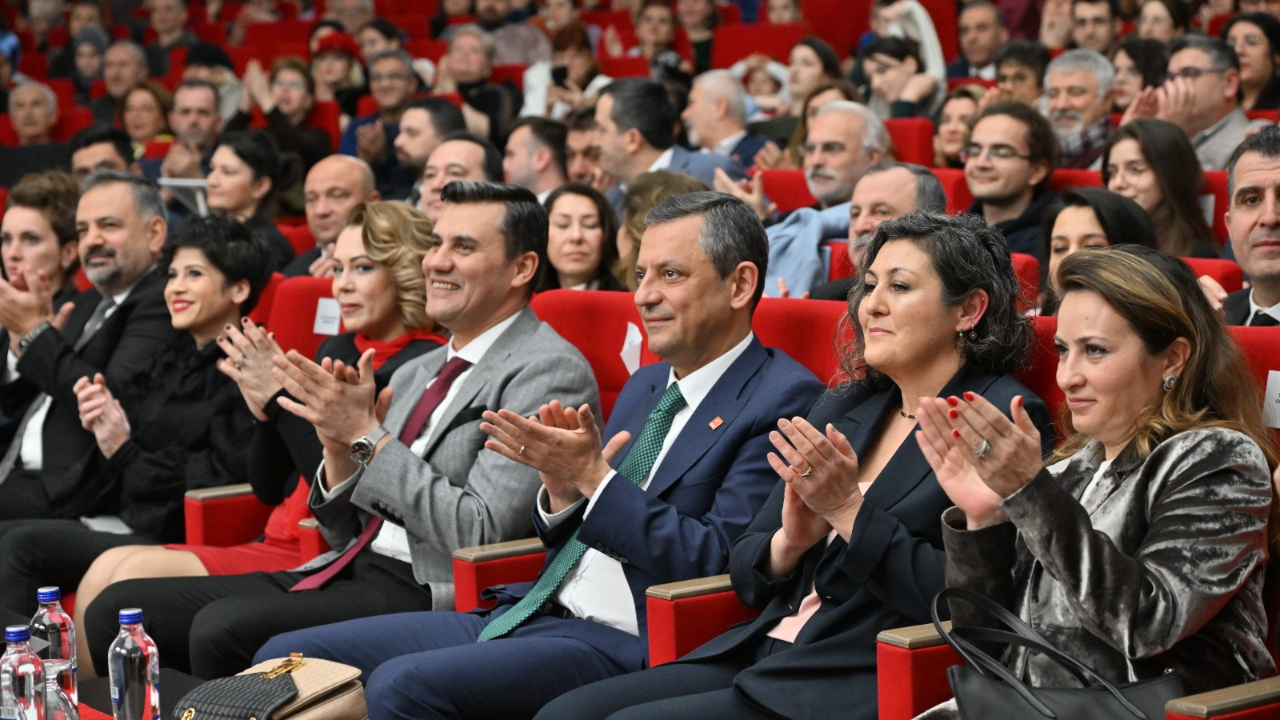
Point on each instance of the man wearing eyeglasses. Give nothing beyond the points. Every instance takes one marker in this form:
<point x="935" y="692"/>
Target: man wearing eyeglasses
<point x="1266" y="6"/>
<point x="1012" y="151"/>
<point x="1095" y="25"/>
<point x="1200" y="95"/>
<point x="372" y="137"/>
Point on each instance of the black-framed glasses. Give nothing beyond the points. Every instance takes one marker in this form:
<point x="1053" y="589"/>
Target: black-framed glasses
<point x="1191" y="73"/>
<point x="996" y="152"/>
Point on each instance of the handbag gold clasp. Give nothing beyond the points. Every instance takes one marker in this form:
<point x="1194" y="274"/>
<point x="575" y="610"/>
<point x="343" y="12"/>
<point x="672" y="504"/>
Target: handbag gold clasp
<point x="293" y="662"/>
<point x="189" y="714"/>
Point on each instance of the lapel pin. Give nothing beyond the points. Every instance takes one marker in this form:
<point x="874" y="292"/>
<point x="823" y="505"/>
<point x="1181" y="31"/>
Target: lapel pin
<point x="715" y="424"/>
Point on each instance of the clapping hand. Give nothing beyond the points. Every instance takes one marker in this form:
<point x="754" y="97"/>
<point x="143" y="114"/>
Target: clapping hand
<point x="822" y="470"/>
<point x="101" y="414"/>
<point x="248" y="363"/>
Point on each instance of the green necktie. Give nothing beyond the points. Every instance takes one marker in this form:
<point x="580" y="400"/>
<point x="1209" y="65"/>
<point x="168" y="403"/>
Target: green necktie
<point x="635" y="466"/>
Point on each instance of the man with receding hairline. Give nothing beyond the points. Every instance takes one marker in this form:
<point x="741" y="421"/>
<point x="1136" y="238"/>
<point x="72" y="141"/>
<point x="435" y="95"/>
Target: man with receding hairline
<point x="333" y="187"/>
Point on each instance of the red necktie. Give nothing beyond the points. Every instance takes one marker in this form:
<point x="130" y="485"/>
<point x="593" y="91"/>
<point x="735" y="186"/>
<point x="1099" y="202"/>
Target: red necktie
<point x="431" y="399"/>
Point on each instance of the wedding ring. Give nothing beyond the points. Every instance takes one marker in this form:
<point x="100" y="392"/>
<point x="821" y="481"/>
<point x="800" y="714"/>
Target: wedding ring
<point x="808" y="472"/>
<point x="983" y="448"/>
<point x="239" y="363"/>
<point x="520" y="451"/>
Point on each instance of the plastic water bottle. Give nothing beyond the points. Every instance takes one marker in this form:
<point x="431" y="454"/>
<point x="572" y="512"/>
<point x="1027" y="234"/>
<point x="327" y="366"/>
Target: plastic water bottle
<point x="21" y="677"/>
<point x="57" y="706"/>
<point x="53" y="625"/>
<point x="134" y="665"/>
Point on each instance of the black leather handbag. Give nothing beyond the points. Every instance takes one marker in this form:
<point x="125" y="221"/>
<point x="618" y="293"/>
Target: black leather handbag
<point x="984" y="688"/>
<point x="241" y="697"/>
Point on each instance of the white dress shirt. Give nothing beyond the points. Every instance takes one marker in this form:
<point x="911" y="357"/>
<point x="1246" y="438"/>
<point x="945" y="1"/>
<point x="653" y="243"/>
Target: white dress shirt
<point x="31" y="453"/>
<point x="596" y="588"/>
<point x="391" y="540"/>
<point x="725" y="147"/>
<point x="1255" y="308"/>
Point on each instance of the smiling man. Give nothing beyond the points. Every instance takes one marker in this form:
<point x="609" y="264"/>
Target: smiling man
<point x="689" y="439"/>
<point x="401" y="487"/>
<point x="1079" y="86"/>
<point x="114" y="329"/>
<point x="1012" y="152"/>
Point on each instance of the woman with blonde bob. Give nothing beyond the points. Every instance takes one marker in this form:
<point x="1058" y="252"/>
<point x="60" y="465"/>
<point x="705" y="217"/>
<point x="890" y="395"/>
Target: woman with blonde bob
<point x="1140" y="548"/>
<point x="381" y="295"/>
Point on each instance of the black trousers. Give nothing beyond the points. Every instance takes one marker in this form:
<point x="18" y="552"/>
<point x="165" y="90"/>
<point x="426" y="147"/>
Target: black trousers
<point x="35" y="553"/>
<point x="675" y="691"/>
<point x="210" y="627"/>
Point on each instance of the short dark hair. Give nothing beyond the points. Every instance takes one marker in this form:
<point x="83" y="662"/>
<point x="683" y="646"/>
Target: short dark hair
<point x="644" y="105"/>
<point x="584" y="120"/>
<point x="549" y="134"/>
<point x="1042" y="142"/>
<point x="930" y="194"/>
<point x="492" y="155"/>
<point x="229" y="245"/>
<point x="198" y="83"/>
<point x="895" y="47"/>
<point x="1148" y="56"/>
<point x="445" y="116"/>
<point x="54" y="194"/>
<point x="258" y="150"/>
<point x="731" y="232"/>
<point x="1220" y="52"/>
<point x="1266" y="22"/>
<point x="1112" y="6"/>
<point x="826" y="55"/>
<point x="296" y="65"/>
<point x="1027" y="53"/>
<point x="968" y="255"/>
<point x="114" y="136"/>
<point x="524" y="226"/>
<point x="1266" y="143"/>
<point x="144" y="191"/>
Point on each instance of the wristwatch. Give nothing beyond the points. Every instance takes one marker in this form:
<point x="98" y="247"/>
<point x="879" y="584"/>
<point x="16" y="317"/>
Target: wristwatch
<point x="27" y="339"/>
<point x="362" y="449"/>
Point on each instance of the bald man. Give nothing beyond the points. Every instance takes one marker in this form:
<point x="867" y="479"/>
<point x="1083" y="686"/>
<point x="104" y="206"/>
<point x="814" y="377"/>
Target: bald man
<point x="716" y="118"/>
<point x="334" y="186"/>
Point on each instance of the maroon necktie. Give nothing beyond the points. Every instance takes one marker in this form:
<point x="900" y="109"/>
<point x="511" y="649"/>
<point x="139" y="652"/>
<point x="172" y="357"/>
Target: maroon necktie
<point x="431" y="399"/>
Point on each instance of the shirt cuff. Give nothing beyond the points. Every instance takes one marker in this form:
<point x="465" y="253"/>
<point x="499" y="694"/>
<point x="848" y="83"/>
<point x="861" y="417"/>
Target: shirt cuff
<point x="599" y="489"/>
<point x="10" y="367"/>
<point x="338" y="489"/>
<point x="550" y="519"/>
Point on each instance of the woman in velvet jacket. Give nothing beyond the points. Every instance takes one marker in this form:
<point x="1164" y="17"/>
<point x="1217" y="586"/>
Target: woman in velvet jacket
<point x="850" y="542"/>
<point x="1141" y="548"/>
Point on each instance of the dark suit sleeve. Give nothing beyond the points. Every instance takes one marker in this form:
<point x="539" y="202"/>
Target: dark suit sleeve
<point x="650" y="533"/>
<point x="750" y="555"/>
<point x="53" y="366"/>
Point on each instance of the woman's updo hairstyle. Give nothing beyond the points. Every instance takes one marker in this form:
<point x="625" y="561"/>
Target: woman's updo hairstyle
<point x="968" y="255"/>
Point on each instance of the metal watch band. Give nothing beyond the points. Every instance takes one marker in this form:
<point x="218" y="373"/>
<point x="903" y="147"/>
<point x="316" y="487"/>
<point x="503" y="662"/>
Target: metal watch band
<point x="30" y="337"/>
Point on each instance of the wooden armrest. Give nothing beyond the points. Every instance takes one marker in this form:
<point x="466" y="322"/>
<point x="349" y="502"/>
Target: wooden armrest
<point x="690" y="588"/>
<point x="216" y="493"/>
<point x="1228" y="700"/>
<point x="498" y="551"/>
<point x="911" y="638"/>
<point x="309" y="524"/>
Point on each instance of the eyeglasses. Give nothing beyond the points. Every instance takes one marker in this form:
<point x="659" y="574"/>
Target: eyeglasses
<point x="383" y="77"/>
<point x="995" y="152"/>
<point x="288" y="85"/>
<point x="1191" y="73"/>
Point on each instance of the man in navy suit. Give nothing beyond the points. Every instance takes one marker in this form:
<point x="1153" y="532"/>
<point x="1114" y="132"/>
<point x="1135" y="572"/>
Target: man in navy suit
<point x="689" y="440"/>
<point x="716" y="118"/>
<point x="636" y="123"/>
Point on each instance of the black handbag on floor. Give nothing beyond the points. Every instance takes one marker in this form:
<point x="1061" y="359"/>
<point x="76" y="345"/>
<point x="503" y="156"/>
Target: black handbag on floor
<point x="985" y="688"/>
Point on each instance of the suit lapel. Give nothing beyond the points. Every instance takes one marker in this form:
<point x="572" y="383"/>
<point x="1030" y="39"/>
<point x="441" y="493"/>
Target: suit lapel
<point x="85" y="303"/>
<point x="725" y="401"/>
<point x="428" y="368"/>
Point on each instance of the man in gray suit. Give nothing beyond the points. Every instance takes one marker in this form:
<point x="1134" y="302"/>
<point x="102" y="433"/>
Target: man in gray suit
<point x="406" y="479"/>
<point x="636" y="124"/>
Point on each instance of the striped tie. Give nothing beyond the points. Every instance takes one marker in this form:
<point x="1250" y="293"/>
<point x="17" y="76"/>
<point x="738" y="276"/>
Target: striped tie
<point x="636" y="466"/>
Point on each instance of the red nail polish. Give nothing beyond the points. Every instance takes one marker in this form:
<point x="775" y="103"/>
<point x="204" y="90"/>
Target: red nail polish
<point x="969" y="396"/>
<point x="953" y="414"/>
<point x="955" y="433"/>
<point x="953" y="401"/>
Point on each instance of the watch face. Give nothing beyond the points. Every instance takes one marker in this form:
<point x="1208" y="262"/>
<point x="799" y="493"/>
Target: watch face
<point x="361" y="451"/>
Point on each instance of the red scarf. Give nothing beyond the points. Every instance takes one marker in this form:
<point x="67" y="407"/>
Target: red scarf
<point x="384" y="351"/>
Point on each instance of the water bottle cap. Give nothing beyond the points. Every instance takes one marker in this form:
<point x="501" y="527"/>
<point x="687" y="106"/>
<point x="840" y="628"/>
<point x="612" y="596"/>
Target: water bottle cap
<point x="131" y="616"/>
<point x="17" y="633"/>
<point x="48" y="594"/>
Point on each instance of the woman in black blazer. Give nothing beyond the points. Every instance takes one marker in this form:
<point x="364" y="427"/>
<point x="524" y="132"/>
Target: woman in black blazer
<point x="850" y="543"/>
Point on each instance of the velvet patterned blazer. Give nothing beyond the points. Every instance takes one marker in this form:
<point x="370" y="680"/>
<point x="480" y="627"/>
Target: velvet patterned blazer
<point x="1157" y="567"/>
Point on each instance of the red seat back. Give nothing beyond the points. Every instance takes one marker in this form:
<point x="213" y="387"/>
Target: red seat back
<point x="1042" y="377"/>
<point x="623" y="67"/>
<point x="956" y="187"/>
<point x="1027" y="268"/>
<point x="841" y="266"/>
<point x="71" y="120"/>
<point x="262" y="312"/>
<point x="1064" y="179"/>
<point x="804" y="329"/>
<point x="787" y="189"/>
<point x="299" y="237"/>
<point x="514" y="73"/>
<point x="1215" y="187"/>
<point x="293" y="313"/>
<point x="595" y="322"/>
<point x="912" y="139"/>
<point x="1228" y="274"/>
<point x="733" y="42"/>
<point x="326" y="115"/>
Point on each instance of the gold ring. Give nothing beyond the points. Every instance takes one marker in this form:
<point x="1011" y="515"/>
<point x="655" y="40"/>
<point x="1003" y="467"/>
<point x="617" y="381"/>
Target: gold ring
<point x="808" y="472"/>
<point x="520" y="451"/>
<point x="239" y="363"/>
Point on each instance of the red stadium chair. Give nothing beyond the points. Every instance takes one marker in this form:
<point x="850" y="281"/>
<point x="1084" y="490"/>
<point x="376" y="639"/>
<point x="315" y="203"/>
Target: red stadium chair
<point x="1215" y="187"/>
<point x="959" y="198"/>
<point x="508" y="73"/>
<point x="953" y="83"/>
<point x="34" y="65"/>
<point x="1027" y="268"/>
<point x="57" y="37"/>
<point x="293" y="313"/>
<point x="1228" y="274"/>
<point x="427" y="48"/>
<point x="299" y="237"/>
<point x="946" y="22"/>
<point x="1271" y="116"/>
<point x="326" y="115"/>
<point x="366" y="105"/>
<point x="624" y="67"/>
<point x="733" y="42"/>
<point x="262" y="312"/>
<point x="1042" y="377"/>
<point x="64" y="90"/>
<point x="595" y="322"/>
<point x="157" y="149"/>
<point x="1068" y="179"/>
<point x="210" y="32"/>
<point x="262" y="35"/>
<point x="841" y="267"/>
<point x="224" y="516"/>
<point x="730" y="14"/>
<point x="802" y="329"/>
<point x="912" y="139"/>
<point x="604" y="18"/>
<point x="787" y="189"/>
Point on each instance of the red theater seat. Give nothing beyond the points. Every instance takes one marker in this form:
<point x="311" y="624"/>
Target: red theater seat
<point x="293" y="313"/>
<point x="912" y="139"/>
<point x="1064" y="179"/>
<point x="299" y="237"/>
<point x="733" y="42"/>
<point x="1226" y="272"/>
<point x="787" y="189"/>
<point x="1215" y="186"/>
<point x="959" y="199"/>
